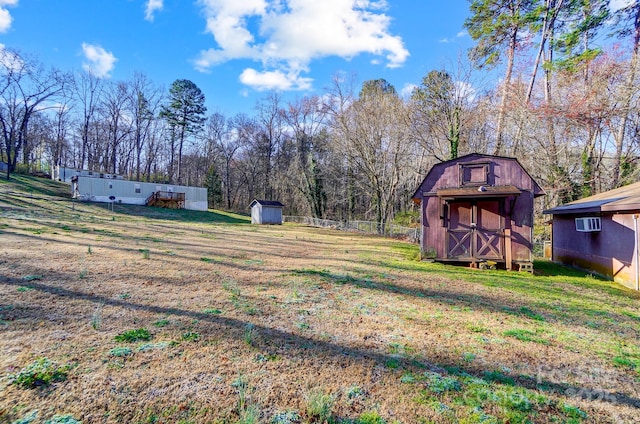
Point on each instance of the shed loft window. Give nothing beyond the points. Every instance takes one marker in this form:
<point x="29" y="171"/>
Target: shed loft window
<point x="474" y="174"/>
<point x="588" y="225"/>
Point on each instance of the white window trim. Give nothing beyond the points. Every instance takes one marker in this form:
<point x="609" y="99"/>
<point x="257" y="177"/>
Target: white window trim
<point x="588" y="224"/>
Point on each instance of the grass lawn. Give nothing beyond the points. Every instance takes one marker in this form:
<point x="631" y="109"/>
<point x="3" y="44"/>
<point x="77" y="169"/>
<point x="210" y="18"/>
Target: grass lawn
<point x="143" y="315"/>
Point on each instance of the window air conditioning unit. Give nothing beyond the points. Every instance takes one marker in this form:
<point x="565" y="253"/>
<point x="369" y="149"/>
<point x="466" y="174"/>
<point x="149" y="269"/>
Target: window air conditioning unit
<point x="588" y="225"/>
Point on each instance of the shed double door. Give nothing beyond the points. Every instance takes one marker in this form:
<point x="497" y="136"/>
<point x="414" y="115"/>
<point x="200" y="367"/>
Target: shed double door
<point x="475" y="231"/>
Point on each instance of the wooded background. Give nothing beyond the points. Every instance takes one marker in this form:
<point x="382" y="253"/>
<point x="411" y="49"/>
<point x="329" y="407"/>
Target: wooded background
<point x="564" y="103"/>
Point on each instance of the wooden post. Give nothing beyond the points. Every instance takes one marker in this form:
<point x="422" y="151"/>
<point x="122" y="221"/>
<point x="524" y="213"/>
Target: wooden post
<point x="507" y="245"/>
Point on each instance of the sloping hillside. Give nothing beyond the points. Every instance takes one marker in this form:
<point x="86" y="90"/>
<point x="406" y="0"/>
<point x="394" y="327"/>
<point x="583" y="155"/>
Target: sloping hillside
<point x="135" y="315"/>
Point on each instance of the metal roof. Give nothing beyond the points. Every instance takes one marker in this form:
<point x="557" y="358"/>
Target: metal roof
<point x="272" y="203"/>
<point x="622" y="199"/>
<point x="479" y="191"/>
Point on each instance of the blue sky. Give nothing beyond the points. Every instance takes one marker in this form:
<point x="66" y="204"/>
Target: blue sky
<point x="237" y="50"/>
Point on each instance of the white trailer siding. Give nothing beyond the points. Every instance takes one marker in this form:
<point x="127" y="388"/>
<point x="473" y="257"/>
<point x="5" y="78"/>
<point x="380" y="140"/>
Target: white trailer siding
<point x="60" y="173"/>
<point x="134" y="192"/>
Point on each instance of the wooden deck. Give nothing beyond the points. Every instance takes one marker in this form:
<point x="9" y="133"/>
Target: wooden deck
<point x="166" y="199"/>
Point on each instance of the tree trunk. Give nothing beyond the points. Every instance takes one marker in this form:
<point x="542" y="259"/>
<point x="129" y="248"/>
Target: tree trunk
<point x="511" y="51"/>
<point x="628" y="91"/>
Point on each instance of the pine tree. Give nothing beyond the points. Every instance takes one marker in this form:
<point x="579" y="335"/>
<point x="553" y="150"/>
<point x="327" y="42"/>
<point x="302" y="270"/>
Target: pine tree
<point x="214" y="187"/>
<point x="185" y="116"/>
<point x="497" y="26"/>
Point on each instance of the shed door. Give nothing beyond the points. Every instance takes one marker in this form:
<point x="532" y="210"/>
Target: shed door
<point x="489" y="231"/>
<point x="475" y="231"/>
<point x="460" y="231"/>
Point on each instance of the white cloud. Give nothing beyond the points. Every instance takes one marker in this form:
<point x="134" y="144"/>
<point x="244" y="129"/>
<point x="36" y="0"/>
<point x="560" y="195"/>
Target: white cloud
<point x="287" y="35"/>
<point x="5" y="16"/>
<point x="9" y="60"/>
<point x="464" y="90"/>
<point x="449" y="40"/>
<point x="99" y="61"/>
<point x="275" y="80"/>
<point x="407" y="90"/>
<point x="152" y="7"/>
<point x="619" y="4"/>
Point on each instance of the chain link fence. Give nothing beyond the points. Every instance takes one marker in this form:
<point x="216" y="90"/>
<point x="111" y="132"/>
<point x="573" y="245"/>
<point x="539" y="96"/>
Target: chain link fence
<point x="369" y="227"/>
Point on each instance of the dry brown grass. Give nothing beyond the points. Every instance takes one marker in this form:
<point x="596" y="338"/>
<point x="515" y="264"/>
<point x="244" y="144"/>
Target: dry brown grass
<point x="289" y="310"/>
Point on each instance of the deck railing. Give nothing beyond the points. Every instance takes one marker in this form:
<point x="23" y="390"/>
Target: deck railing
<point x="169" y="195"/>
<point x="166" y="196"/>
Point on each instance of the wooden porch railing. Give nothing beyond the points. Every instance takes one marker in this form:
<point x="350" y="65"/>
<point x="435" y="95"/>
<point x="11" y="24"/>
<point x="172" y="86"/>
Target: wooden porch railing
<point x="166" y="199"/>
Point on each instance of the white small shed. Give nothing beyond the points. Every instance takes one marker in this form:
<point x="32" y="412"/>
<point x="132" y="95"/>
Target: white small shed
<point x="266" y="212"/>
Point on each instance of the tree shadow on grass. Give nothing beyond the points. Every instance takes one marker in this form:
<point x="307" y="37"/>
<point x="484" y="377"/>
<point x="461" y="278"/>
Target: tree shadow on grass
<point x="182" y="215"/>
<point x="486" y="301"/>
<point x="35" y="186"/>
<point x="273" y="338"/>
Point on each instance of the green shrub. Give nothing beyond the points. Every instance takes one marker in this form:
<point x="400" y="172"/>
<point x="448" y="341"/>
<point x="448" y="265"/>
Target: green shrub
<point x="319" y="405"/>
<point x="27" y="419"/>
<point x="408" y="378"/>
<point x="525" y="336"/>
<point x="249" y="334"/>
<point x="151" y="346"/>
<point x="286" y="417"/>
<point x="573" y="412"/>
<point x="162" y="323"/>
<point x="41" y="372"/>
<point x="371" y="417"/>
<point x="120" y="351"/>
<point x="32" y="277"/>
<point x="440" y="384"/>
<point x="250" y="414"/>
<point x="190" y="336"/>
<point x="137" y="335"/>
<point x="355" y="392"/>
<point x="63" y="419"/>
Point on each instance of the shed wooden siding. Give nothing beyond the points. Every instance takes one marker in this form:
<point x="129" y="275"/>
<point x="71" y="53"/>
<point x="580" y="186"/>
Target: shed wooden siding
<point x="100" y="189"/>
<point x="502" y="171"/>
<point x="434" y="234"/>
<point x="609" y="252"/>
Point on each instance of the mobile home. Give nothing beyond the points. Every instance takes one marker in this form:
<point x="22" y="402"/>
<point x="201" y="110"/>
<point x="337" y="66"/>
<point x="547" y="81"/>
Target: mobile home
<point x="138" y="193"/>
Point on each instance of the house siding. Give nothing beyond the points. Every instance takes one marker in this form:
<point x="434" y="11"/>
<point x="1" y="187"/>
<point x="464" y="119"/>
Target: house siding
<point x="609" y="252"/>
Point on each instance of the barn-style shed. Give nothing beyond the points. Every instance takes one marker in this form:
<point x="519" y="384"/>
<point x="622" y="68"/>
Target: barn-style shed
<point x="478" y="209"/>
<point x="266" y="212"/>
<point x="600" y="233"/>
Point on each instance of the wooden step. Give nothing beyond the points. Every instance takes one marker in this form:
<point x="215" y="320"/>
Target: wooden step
<point x="525" y="267"/>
